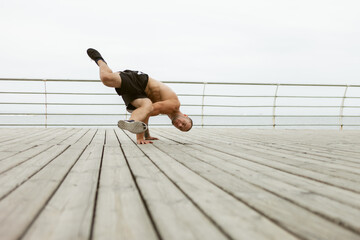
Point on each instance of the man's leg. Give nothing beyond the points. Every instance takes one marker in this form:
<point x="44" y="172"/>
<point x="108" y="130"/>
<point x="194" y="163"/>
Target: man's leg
<point x="143" y="108"/>
<point x="141" y="113"/>
<point x="138" y="116"/>
<point x="111" y="79"/>
<point x="107" y="76"/>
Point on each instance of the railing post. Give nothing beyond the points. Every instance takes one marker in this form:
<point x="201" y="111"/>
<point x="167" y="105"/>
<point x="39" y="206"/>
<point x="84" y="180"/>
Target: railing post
<point x="202" y="105"/>
<point x="341" y="115"/>
<point x="45" y="92"/>
<point x="274" y="105"/>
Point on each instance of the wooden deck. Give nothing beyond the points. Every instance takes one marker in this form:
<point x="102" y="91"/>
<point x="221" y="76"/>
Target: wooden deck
<point x="63" y="183"/>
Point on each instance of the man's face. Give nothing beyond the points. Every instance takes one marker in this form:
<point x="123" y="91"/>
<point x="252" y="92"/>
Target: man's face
<point x="182" y="123"/>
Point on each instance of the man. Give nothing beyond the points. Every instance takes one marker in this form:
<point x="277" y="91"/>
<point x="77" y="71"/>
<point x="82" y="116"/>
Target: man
<point x="144" y="97"/>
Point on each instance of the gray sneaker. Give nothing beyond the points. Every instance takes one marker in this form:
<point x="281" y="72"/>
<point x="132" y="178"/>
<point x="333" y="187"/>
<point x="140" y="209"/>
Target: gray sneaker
<point x="132" y="126"/>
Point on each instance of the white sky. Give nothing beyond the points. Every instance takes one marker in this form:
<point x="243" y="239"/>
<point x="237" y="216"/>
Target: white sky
<point x="281" y="41"/>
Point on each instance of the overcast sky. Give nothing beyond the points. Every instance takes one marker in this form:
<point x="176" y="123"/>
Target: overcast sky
<point x="282" y="41"/>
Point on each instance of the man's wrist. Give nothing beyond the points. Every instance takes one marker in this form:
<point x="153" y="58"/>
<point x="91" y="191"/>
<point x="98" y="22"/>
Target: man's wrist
<point x="147" y="133"/>
<point x="140" y="136"/>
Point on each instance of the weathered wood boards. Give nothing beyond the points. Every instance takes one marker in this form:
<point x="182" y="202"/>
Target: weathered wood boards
<point x="63" y="183"/>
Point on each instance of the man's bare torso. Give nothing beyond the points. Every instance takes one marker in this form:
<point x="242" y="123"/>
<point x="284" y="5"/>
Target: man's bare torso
<point x="158" y="91"/>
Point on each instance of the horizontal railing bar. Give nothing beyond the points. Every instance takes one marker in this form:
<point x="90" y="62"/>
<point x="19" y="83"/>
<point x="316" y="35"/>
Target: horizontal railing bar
<point x="183" y="82"/>
<point x="47" y="80"/>
<point x="191" y="115"/>
<point x="187" y="105"/>
<point x="197" y="115"/>
<point x="182" y="95"/>
<point x="281" y="125"/>
<point x="66" y="114"/>
<point x="268" y="96"/>
<point x="81" y="104"/>
<point x="266" y="84"/>
<point x="197" y="125"/>
<point x="59" y="125"/>
<point x="284" y="106"/>
<point x="59" y="93"/>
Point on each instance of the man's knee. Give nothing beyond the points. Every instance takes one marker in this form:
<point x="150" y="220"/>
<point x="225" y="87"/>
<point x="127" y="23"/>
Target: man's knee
<point x="147" y="105"/>
<point x="111" y="79"/>
<point x="143" y="103"/>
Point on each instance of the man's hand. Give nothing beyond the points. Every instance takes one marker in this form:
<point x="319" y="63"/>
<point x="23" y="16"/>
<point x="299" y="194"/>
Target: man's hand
<point x="140" y="136"/>
<point x="147" y="134"/>
<point x="142" y="141"/>
<point x="151" y="138"/>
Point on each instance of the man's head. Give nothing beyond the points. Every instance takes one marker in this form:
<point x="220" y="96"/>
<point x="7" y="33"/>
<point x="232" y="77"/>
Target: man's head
<point x="182" y="122"/>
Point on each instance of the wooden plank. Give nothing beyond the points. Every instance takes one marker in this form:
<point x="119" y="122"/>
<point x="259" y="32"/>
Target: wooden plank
<point x="75" y="137"/>
<point x="20" y="207"/>
<point x="57" y="137"/>
<point x="69" y="213"/>
<point x="99" y="138"/>
<point x="120" y="212"/>
<point x="18" y="175"/>
<point x="175" y="216"/>
<point x="329" y="152"/>
<point x="15" y="133"/>
<point x="351" y="179"/>
<point x="67" y="133"/>
<point x="20" y="158"/>
<point x="335" y="168"/>
<point x="309" y="152"/>
<point x="87" y="138"/>
<point x="13" y="149"/>
<point x="25" y="141"/>
<point x="8" y="133"/>
<point x="317" y="152"/>
<point x="335" y="165"/>
<point x="328" y="208"/>
<point x="233" y="216"/>
<point x="307" y="185"/>
<point x="123" y="138"/>
<point x="267" y="160"/>
<point x="19" y="152"/>
<point x="301" y="222"/>
<point x="111" y="139"/>
<point x="315" y="140"/>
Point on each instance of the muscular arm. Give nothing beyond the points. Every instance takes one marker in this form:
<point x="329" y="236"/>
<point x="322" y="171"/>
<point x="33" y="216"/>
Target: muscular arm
<point x="140" y="136"/>
<point x="165" y="107"/>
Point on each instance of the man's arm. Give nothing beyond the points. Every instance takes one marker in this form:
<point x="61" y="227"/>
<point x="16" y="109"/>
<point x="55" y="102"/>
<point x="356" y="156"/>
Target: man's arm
<point x="162" y="107"/>
<point x="140" y="136"/>
<point x="165" y="107"/>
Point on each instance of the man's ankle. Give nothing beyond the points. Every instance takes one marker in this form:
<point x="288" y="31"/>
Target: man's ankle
<point x="100" y="61"/>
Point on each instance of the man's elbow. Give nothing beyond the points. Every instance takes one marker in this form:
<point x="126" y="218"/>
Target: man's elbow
<point x="176" y="107"/>
<point x="155" y="111"/>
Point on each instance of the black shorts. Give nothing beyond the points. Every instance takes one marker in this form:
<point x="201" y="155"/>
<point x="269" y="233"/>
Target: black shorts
<point x="133" y="84"/>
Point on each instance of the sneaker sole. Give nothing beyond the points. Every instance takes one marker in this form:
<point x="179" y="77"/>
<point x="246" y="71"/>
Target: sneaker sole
<point x="133" y="127"/>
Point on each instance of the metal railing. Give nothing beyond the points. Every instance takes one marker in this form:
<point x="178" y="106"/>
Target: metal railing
<point x="206" y="106"/>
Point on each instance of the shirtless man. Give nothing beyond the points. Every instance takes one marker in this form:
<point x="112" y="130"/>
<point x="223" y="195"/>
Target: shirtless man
<point x="144" y="97"/>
